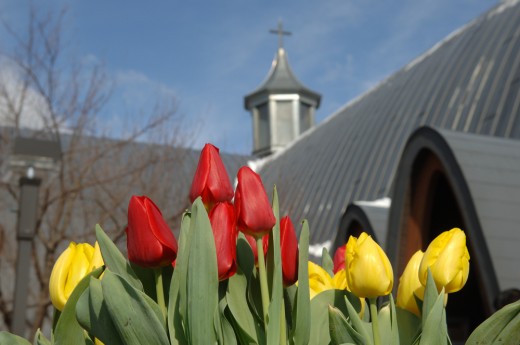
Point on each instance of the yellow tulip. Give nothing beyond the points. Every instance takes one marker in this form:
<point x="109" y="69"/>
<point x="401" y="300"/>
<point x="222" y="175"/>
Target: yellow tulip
<point x="319" y="279"/>
<point x="73" y="264"/>
<point x="448" y="259"/>
<point x="368" y="270"/>
<point x="339" y="281"/>
<point x="409" y="285"/>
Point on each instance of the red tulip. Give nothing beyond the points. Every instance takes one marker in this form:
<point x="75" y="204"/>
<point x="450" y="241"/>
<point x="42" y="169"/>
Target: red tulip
<point x="288" y="251"/>
<point x="211" y="181"/>
<point x="150" y="242"/>
<point x="339" y="259"/>
<point x="223" y="224"/>
<point x="254" y="213"/>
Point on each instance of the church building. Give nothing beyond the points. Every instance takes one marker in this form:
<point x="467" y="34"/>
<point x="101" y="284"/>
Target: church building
<point x="434" y="146"/>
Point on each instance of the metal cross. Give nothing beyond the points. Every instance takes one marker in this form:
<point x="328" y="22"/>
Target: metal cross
<point x="280" y="33"/>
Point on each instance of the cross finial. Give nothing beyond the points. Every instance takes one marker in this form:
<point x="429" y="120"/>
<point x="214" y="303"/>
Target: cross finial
<point x="280" y="33"/>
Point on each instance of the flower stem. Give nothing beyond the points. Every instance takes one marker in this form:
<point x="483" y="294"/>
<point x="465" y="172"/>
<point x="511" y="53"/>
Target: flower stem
<point x="159" y="289"/>
<point x="375" y="323"/>
<point x="263" y="279"/>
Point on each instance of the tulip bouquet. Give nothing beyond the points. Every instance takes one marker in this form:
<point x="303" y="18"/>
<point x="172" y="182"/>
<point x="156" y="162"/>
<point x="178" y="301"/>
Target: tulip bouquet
<point x="239" y="275"/>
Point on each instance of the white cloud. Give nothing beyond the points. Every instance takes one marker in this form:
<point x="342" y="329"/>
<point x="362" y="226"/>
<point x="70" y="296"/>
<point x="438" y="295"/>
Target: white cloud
<point x="137" y="83"/>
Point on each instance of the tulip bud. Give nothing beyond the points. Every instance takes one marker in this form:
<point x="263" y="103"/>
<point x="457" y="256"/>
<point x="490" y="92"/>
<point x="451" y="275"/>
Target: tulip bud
<point x="211" y="181"/>
<point x="288" y="251"/>
<point x="254" y="213"/>
<point x="72" y="265"/>
<point x="339" y="259"/>
<point x="369" y="273"/>
<point x="150" y="242"/>
<point x="409" y="285"/>
<point x="223" y="224"/>
<point x="448" y="259"/>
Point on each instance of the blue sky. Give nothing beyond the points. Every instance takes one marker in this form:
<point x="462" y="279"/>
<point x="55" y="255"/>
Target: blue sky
<point x="210" y="54"/>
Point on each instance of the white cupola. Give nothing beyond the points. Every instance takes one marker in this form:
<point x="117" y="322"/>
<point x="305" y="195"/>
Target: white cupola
<point x="282" y="107"/>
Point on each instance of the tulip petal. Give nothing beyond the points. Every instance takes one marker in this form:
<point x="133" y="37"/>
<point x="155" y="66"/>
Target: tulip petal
<point x="150" y="242"/>
<point x="289" y="251"/>
<point x="409" y="285"/>
<point x="253" y="209"/>
<point x="319" y="279"/>
<point x="58" y="277"/>
<point x="223" y="225"/>
<point x="97" y="258"/>
<point x="339" y="281"/>
<point x="78" y="268"/>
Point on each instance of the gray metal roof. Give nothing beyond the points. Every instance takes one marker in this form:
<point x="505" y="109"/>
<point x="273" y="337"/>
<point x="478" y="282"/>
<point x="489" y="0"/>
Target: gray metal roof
<point x="281" y="80"/>
<point x="470" y="82"/>
<point x="491" y="168"/>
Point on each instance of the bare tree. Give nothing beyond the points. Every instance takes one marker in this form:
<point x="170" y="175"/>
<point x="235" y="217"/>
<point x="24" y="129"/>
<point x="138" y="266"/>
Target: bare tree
<point x="44" y="95"/>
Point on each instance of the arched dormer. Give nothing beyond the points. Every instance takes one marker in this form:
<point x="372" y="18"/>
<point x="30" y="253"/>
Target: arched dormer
<point x="363" y="216"/>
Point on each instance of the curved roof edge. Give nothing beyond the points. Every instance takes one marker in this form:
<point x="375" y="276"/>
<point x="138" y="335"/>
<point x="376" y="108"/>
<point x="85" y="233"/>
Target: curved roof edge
<point x="434" y="140"/>
<point x="281" y="79"/>
<point x="370" y="215"/>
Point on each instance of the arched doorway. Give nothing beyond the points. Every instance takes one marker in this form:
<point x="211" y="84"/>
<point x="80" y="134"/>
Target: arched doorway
<point x="434" y="209"/>
<point x="430" y="195"/>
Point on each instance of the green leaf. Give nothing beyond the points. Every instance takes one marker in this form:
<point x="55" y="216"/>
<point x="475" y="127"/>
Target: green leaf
<point x="133" y="317"/>
<point x="68" y="330"/>
<point x="177" y="291"/>
<point x="274" y="274"/>
<point x="289" y="295"/>
<point x="254" y="296"/>
<point x="223" y="328"/>
<point x="147" y="278"/>
<point x="388" y="325"/>
<point x="319" y="325"/>
<point x="358" y="325"/>
<point x="202" y="284"/>
<point x="503" y="327"/>
<point x="114" y="260"/>
<point x="246" y="264"/>
<point x="409" y="326"/>
<point x="339" y="328"/>
<point x="434" y="329"/>
<point x="326" y="262"/>
<point x="385" y="323"/>
<point x="92" y="314"/>
<point x="7" y="338"/>
<point x="301" y="313"/>
<point x="245" y="256"/>
<point x="395" y="325"/>
<point x="39" y="339"/>
<point x="430" y="296"/>
<point x="236" y="297"/>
